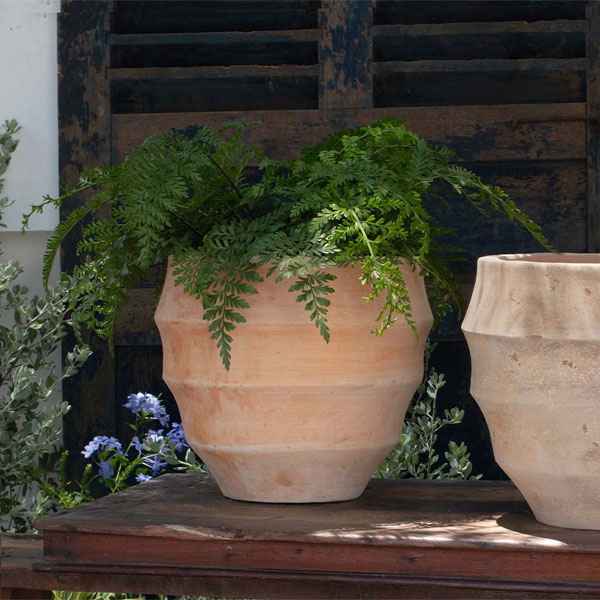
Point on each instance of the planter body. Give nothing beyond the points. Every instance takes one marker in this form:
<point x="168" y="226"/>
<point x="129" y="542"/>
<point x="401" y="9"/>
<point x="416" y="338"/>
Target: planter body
<point x="295" y="419"/>
<point x="533" y="329"/>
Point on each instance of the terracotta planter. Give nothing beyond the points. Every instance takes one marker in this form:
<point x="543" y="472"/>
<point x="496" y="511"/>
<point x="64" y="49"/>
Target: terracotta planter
<point x="295" y="419"/>
<point x="533" y="328"/>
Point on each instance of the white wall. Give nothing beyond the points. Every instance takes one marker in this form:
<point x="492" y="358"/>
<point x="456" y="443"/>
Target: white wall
<point x="28" y="93"/>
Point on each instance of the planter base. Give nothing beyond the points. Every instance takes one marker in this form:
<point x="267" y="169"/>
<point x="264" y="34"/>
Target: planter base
<point x="293" y="476"/>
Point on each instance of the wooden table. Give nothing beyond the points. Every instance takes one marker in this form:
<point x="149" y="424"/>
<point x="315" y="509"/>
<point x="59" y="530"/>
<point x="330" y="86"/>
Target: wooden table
<point x="402" y="539"/>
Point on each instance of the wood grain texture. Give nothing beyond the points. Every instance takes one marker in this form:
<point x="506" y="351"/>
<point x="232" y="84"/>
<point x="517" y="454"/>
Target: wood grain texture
<point x="345" y="52"/>
<point x="499" y="43"/>
<point x="593" y="126"/>
<point x="439" y="29"/>
<point x="477" y="532"/>
<point x="216" y="92"/>
<point x="22" y="565"/>
<point x="453" y="514"/>
<point x="470" y="11"/>
<point x="482" y="133"/>
<point x="451" y="88"/>
<point x="185" y="16"/>
<point x="84" y="143"/>
<point x="213" y="72"/>
<point x="479" y="65"/>
<point x="213" y="37"/>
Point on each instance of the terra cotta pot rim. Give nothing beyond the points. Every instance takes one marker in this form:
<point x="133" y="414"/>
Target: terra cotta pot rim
<point x="567" y="259"/>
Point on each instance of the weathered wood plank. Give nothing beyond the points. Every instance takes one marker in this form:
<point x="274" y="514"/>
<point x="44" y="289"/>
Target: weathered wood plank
<point x="593" y="127"/>
<point x="438" y="29"/>
<point x="213" y="72"/>
<point x="475" y="132"/>
<point x="480" y="532"/>
<point x="452" y="88"/>
<point x="214" y="93"/>
<point x="84" y="143"/>
<point x="214" y="53"/>
<point x="136" y="325"/>
<point x="479" y="46"/>
<point x="409" y="561"/>
<point x="21" y="559"/>
<point x="214" y="15"/>
<point x="212" y="37"/>
<point x="345" y="52"/>
<point x="479" y="65"/>
<point x="455" y="11"/>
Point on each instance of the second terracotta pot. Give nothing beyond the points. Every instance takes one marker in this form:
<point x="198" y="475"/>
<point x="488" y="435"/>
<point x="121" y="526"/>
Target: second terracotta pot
<point x="533" y="328"/>
<point x="295" y="419"/>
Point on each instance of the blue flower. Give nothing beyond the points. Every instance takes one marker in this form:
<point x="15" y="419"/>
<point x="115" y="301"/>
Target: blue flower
<point x="177" y="437"/>
<point x="102" y="441"/>
<point x="155" y="436"/>
<point x="136" y="443"/>
<point x="141" y="477"/>
<point x="105" y="469"/>
<point x="148" y="404"/>
<point x="155" y="464"/>
<point x="135" y="402"/>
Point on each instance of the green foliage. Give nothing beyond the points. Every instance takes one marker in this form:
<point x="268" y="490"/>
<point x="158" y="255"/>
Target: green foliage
<point x="357" y="198"/>
<point x="415" y="456"/>
<point x="8" y="144"/>
<point x="30" y="423"/>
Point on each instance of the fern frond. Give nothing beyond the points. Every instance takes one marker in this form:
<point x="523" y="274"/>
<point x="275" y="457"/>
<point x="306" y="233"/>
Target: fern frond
<point x="60" y="233"/>
<point x="312" y="290"/>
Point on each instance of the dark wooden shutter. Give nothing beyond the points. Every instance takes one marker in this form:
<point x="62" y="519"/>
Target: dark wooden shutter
<point x="511" y="86"/>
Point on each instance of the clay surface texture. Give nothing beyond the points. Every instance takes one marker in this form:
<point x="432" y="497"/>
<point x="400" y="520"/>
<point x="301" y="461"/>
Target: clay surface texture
<point x="533" y="329"/>
<point x="295" y="419"/>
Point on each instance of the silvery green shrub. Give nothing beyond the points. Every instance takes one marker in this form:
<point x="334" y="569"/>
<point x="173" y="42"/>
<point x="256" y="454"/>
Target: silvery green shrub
<point x="30" y="419"/>
<point x="416" y="454"/>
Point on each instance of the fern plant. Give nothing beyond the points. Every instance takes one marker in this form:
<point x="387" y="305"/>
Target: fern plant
<point x="357" y="198"/>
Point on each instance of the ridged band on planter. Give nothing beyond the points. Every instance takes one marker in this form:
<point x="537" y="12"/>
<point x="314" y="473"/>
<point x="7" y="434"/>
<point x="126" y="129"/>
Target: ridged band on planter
<point x="533" y="329"/>
<point x="295" y="419"/>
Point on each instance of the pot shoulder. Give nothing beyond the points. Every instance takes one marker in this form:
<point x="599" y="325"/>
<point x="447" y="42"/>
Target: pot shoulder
<point x="550" y="296"/>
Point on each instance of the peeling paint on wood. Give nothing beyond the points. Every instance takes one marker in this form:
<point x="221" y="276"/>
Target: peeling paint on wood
<point x="345" y="53"/>
<point x="84" y="143"/>
<point x="474" y="132"/>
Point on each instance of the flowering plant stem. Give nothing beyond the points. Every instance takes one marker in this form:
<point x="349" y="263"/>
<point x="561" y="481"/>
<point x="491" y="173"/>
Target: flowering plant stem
<point x="148" y="453"/>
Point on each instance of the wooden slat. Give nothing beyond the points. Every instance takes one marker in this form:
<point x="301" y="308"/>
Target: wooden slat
<point x="345" y="52"/>
<point x="474" y="132"/>
<point x="479" y="65"/>
<point x="438" y="29"/>
<point x="22" y="558"/>
<point x="136" y="325"/>
<point x="210" y="37"/>
<point x="213" y="15"/>
<point x="457" y="88"/>
<point x="593" y="127"/>
<point x="483" y="11"/>
<point x="84" y="143"/>
<point x="216" y="72"/>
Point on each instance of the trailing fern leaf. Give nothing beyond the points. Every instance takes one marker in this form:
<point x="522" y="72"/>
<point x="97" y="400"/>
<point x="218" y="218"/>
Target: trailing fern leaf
<point x="222" y="211"/>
